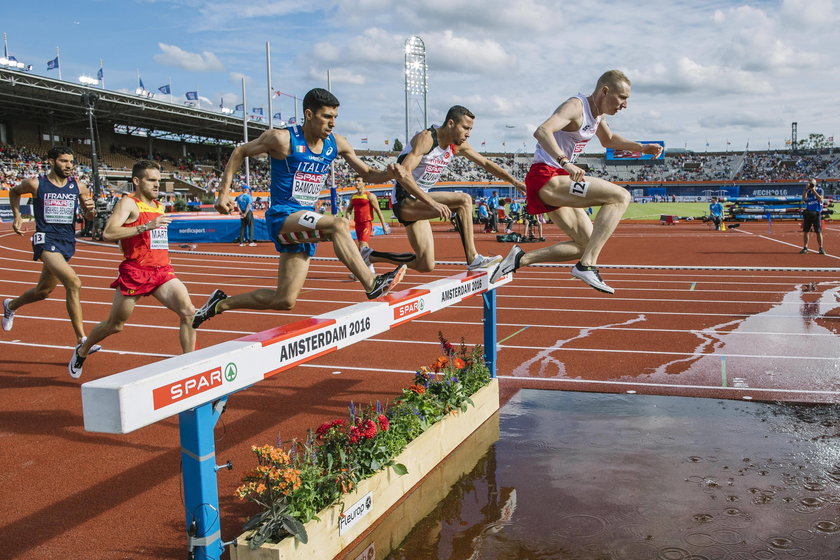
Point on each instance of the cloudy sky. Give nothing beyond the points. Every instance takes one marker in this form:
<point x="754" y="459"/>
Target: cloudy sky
<point x="719" y="72"/>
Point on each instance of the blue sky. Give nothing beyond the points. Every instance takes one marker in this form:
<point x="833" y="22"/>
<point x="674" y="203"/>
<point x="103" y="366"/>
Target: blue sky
<point x="715" y="71"/>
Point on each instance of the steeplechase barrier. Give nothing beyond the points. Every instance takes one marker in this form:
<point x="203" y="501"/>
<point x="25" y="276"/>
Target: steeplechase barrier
<point x="196" y="386"/>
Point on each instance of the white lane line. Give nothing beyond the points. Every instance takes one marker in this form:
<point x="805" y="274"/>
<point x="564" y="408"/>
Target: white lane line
<point x="70" y="349"/>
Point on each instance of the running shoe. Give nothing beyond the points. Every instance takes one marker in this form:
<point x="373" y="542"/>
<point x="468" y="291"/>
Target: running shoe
<point x="822" y="251"/>
<point x="589" y="274"/>
<point x="209" y="308"/>
<point x="74" y="367"/>
<point x="804" y="251"/>
<point x="366" y="252"/>
<point x="480" y="261"/>
<point x="8" y="315"/>
<point x="509" y="264"/>
<point x="252" y="244"/>
<point x="383" y="283"/>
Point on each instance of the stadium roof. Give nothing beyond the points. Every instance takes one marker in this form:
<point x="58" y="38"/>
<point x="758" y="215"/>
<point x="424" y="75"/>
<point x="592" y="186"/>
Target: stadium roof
<point x="41" y="100"/>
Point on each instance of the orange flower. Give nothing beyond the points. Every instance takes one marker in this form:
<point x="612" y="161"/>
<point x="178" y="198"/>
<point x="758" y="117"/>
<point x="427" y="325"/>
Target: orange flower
<point x="419" y="389"/>
<point x="459" y="363"/>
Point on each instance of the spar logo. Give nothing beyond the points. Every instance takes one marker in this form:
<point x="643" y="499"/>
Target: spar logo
<point x="409" y="308"/>
<point x="191" y="386"/>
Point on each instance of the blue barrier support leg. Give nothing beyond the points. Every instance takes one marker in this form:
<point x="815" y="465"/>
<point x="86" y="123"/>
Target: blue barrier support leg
<point x="201" y="492"/>
<point x="489" y="319"/>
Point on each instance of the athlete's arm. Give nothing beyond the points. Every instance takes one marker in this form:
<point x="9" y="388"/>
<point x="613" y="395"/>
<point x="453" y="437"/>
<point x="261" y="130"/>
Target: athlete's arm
<point x="274" y="142"/>
<point x="126" y="210"/>
<point x="374" y="202"/>
<point x="609" y="139"/>
<point x="86" y="197"/>
<point x="366" y="172"/>
<point x="27" y="186"/>
<point x="421" y="144"/>
<point x="490" y="166"/>
<point x="567" y="115"/>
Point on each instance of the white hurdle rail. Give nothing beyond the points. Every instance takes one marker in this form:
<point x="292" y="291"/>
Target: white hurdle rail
<point x="195" y="386"/>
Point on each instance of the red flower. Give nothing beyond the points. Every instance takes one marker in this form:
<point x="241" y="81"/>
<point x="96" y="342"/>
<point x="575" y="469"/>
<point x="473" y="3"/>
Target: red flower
<point x="326" y="426"/>
<point x="384" y="423"/>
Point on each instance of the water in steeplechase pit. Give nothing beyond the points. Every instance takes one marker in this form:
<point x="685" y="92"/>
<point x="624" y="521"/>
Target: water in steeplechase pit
<point x="589" y="476"/>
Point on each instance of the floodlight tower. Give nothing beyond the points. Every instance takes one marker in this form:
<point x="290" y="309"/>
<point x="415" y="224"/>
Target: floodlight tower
<point x="416" y="85"/>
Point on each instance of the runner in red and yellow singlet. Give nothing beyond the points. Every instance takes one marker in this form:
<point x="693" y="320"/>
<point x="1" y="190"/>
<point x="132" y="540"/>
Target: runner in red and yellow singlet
<point x="140" y="225"/>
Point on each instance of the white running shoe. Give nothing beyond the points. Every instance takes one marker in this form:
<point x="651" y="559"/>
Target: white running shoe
<point x="252" y="244"/>
<point x="74" y="367"/>
<point x="365" y="252"/>
<point x="589" y="274"/>
<point x="509" y="264"/>
<point x="480" y="261"/>
<point x="8" y="315"/>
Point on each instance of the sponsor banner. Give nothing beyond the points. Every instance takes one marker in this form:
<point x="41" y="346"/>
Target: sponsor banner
<point x="355" y="513"/>
<point x="6" y="212"/>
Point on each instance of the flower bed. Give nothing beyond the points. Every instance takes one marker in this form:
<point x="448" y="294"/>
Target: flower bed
<point x="328" y="490"/>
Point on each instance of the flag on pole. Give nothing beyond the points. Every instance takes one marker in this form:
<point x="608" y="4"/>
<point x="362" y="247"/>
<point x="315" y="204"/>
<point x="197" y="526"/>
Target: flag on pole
<point x="166" y="90"/>
<point x="100" y="74"/>
<point x="257" y="110"/>
<point x="239" y="107"/>
<point x="293" y="120"/>
<point x="222" y="103"/>
<point x="52" y="64"/>
<point x="277" y="116"/>
<point x="139" y="79"/>
<point x="192" y="96"/>
<point x="386" y="141"/>
<point x="364" y="140"/>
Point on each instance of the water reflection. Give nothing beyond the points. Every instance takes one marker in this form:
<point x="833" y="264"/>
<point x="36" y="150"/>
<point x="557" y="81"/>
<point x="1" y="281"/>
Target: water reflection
<point x="612" y="477"/>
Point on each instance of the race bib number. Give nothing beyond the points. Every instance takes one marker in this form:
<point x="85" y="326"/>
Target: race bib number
<point x="579" y="188"/>
<point x="39" y="238"/>
<point x="310" y="219"/>
<point x="59" y="211"/>
<point x="307" y="187"/>
<point x="159" y="238"/>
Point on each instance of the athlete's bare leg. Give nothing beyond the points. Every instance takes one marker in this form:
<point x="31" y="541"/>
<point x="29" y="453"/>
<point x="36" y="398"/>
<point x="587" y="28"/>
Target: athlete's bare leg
<point x="121" y="310"/>
<point x="575" y="223"/>
<point x="613" y="200"/>
<point x="65" y="274"/>
<point x="291" y="274"/>
<point x="174" y="296"/>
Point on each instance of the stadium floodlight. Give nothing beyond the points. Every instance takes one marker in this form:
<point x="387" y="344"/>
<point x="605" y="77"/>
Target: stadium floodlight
<point x="416" y="85"/>
<point x="88" y="81"/>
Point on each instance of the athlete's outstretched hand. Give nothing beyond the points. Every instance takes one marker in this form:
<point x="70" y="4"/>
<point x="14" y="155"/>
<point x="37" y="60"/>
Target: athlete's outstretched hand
<point x="224" y="203"/>
<point x="652" y="149"/>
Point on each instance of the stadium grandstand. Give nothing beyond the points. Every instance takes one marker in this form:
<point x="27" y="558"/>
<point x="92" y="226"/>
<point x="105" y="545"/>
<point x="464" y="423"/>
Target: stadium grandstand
<point x="192" y="146"/>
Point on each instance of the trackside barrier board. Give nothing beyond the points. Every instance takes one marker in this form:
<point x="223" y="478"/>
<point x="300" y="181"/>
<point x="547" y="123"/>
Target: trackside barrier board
<point x="126" y="401"/>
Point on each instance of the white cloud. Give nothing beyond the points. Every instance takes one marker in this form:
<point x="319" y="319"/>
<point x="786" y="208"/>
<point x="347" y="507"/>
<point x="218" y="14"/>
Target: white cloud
<point x="452" y="52"/>
<point x="746" y="120"/>
<point x="686" y="75"/>
<point x="173" y="55"/>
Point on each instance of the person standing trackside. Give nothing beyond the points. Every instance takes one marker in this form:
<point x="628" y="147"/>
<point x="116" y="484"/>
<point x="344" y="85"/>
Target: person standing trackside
<point x="716" y="212"/>
<point x="493" y="207"/>
<point x="812" y="214"/>
<point x="56" y="197"/>
<point x="363" y="204"/>
<point x="555" y="185"/>
<point x="139" y="224"/>
<point x="246" y="217"/>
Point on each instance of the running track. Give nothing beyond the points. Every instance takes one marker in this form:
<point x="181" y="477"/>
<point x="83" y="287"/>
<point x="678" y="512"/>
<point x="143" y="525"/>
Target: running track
<point x="722" y="334"/>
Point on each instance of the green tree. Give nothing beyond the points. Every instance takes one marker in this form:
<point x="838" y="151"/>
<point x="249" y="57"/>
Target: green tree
<point x="398" y="147"/>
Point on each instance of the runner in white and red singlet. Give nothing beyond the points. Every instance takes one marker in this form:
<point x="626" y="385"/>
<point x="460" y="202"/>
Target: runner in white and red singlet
<point x="427" y="157"/>
<point x="558" y="187"/>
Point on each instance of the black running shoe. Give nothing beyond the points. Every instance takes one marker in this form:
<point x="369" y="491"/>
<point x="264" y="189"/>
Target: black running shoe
<point x="208" y="309"/>
<point x="382" y="284"/>
<point x="509" y="264"/>
<point x="589" y="274"/>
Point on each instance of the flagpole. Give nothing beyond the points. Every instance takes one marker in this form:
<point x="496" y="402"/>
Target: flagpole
<point x="5" y="46"/>
<point x="296" y="115"/>
<point x="268" y="72"/>
<point x="245" y="133"/>
<point x="102" y="81"/>
<point x="58" y="60"/>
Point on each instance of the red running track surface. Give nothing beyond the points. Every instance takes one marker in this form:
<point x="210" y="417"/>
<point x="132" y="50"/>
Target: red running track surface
<point x="722" y="334"/>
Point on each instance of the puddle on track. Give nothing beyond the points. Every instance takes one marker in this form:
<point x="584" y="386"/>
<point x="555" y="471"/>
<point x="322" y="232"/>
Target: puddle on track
<point x="613" y="477"/>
